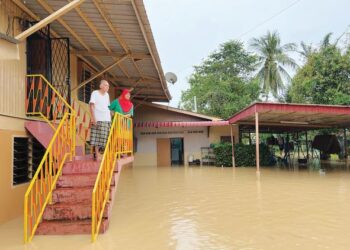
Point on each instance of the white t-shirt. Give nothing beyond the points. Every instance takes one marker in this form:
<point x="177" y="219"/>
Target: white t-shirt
<point x="101" y="102"/>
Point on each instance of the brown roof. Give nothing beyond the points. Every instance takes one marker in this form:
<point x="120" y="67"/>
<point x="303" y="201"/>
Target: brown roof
<point x="181" y="111"/>
<point x="103" y="31"/>
<point x="287" y="116"/>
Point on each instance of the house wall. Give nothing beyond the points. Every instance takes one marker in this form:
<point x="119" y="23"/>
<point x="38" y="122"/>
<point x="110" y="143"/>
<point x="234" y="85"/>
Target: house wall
<point x="194" y="137"/>
<point x="216" y="133"/>
<point x="12" y="72"/>
<point x="12" y="112"/>
<point x="147" y="137"/>
<point x="11" y="196"/>
<point x="147" y="142"/>
<point x="12" y="108"/>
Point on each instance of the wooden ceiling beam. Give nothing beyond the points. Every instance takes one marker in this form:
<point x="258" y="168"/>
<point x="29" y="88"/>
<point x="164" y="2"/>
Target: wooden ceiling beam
<point x="49" y="19"/>
<point x="136" y="56"/>
<point x="100" y="73"/>
<point x="149" y="96"/>
<point x="134" y="80"/>
<point x="139" y="88"/>
<point x="21" y="5"/>
<point x="49" y="9"/>
<point x="124" y="71"/>
<point x="114" y="30"/>
<point x="118" y="37"/>
<point x="98" y="35"/>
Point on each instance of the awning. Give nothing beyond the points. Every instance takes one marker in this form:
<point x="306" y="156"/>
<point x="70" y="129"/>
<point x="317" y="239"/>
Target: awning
<point x="281" y="117"/>
<point x="110" y="35"/>
<point x="157" y="124"/>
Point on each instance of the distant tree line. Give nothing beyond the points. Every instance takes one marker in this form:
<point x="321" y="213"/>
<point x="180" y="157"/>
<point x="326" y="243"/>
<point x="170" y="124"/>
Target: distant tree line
<point x="233" y="77"/>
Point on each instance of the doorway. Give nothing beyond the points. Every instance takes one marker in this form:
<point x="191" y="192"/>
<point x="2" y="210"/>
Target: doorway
<point x="177" y="151"/>
<point x="50" y="57"/>
<point x="163" y="152"/>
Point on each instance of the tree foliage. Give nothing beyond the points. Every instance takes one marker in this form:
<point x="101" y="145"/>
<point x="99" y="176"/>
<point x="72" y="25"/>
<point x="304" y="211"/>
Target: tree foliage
<point x="272" y="59"/>
<point x="325" y="77"/>
<point x="223" y="83"/>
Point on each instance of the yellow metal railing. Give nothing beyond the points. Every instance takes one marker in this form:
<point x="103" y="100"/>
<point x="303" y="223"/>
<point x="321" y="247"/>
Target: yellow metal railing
<point x="119" y="144"/>
<point x="44" y="100"/>
<point x="83" y="123"/>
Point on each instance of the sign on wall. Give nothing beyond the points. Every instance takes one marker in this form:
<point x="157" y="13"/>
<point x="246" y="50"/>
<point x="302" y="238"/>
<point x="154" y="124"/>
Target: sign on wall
<point x="171" y="132"/>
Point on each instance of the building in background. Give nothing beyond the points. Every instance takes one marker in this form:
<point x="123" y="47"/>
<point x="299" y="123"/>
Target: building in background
<point x="167" y="136"/>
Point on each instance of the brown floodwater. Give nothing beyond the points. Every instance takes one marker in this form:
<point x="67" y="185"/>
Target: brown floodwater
<point x="187" y="208"/>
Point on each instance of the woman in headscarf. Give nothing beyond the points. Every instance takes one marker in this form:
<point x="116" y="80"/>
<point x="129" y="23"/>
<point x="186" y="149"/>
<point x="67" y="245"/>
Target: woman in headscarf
<point x="123" y="105"/>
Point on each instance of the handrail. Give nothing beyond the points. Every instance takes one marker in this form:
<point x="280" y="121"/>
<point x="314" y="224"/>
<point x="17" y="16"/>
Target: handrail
<point x="52" y="88"/>
<point x="119" y="143"/>
<point x="83" y="121"/>
<point x="44" y="181"/>
<point x="44" y="100"/>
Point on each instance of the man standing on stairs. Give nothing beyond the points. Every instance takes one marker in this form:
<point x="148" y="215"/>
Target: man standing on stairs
<point x="101" y="118"/>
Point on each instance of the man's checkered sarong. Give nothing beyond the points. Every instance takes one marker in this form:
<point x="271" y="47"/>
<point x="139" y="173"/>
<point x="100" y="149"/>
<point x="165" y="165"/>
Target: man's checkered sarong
<point x="99" y="133"/>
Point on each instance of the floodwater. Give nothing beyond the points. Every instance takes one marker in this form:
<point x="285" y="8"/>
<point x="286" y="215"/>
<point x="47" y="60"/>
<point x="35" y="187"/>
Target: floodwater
<point x="189" y="208"/>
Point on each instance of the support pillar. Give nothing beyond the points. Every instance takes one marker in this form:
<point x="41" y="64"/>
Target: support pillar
<point x="257" y="142"/>
<point x="233" y="148"/>
<point x="345" y="145"/>
<point x="250" y="138"/>
<point x="299" y="145"/>
<point x="307" y="146"/>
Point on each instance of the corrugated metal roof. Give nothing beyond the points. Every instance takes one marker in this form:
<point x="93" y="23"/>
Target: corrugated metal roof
<point x="288" y="116"/>
<point x="180" y="111"/>
<point x="129" y="33"/>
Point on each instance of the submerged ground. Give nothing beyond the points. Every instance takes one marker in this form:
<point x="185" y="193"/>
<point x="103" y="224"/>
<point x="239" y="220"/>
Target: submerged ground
<point x="188" y="208"/>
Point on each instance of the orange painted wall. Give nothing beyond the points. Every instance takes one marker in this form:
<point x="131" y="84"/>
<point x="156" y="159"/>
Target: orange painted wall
<point x="11" y="196"/>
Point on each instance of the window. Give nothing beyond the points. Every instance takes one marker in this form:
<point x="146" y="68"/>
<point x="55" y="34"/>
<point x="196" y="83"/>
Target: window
<point x="38" y="152"/>
<point x="21" y="160"/>
<point x="84" y="92"/>
<point x="225" y="139"/>
<point x="27" y="155"/>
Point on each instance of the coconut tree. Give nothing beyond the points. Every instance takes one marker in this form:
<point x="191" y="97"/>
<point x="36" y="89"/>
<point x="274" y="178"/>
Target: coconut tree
<point x="306" y="50"/>
<point x="272" y="60"/>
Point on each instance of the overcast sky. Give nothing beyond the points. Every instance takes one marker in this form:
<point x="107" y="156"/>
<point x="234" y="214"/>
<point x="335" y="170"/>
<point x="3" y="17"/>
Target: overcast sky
<point x="186" y="31"/>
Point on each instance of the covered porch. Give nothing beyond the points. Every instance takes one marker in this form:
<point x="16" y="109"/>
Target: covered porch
<point x="290" y="118"/>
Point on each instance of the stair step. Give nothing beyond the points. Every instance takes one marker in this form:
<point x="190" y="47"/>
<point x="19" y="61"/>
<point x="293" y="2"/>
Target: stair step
<point x="81" y="167"/>
<point x="68" y="216"/>
<point x="79" y="150"/>
<point x="75" y="195"/>
<point x="71" y="195"/>
<point x="83" y="157"/>
<point x="71" y="211"/>
<point x="68" y="227"/>
<point x="78" y="180"/>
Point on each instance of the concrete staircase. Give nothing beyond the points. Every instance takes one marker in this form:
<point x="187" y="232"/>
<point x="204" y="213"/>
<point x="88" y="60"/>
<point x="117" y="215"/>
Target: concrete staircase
<point x="70" y="211"/>
<point x="44" y="133"/>
<point x="41" y="131"/>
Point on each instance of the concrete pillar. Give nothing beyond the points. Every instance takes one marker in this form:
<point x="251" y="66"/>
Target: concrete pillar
<point x="233" y="148"/>
<point x="257" y="142"/>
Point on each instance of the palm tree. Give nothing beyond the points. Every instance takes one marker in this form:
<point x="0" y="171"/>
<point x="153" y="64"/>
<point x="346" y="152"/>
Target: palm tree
<point x="272" y="59"/>
<point x="326" y="42"/>
<point x="306" y="50"/>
